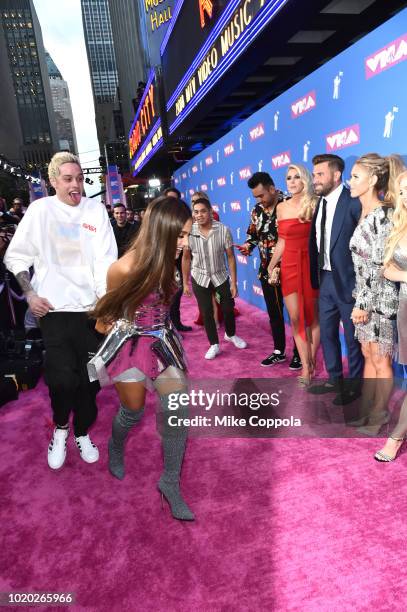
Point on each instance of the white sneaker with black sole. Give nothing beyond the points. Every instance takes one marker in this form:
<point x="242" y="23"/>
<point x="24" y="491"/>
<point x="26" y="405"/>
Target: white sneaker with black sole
<point x="212" y="351"/>
<point x="57" y="448"/>
<point x="89" y="452"/>
<point x="273" y="359"/>
<point x="238" y="342"/>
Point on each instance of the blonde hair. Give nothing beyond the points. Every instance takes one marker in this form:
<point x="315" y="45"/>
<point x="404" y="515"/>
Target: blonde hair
<point x="384" y="168"/>
<point x="308" y="199"/>
<point x="63" y="157"/>
<point x="397" y="166"/>
<point x="399" y="221"/>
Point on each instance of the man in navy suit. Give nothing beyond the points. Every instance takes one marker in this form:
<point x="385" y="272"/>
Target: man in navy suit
<point x="336" y="216"/>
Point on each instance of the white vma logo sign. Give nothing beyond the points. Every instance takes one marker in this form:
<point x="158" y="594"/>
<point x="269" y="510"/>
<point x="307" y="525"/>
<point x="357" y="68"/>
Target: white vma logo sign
<point x="343" y="138"/>
<point x="303" y="105"/>
<point x="387" y="57"/>
<point x="257" y="290"/>
<point x="280" y="160"/>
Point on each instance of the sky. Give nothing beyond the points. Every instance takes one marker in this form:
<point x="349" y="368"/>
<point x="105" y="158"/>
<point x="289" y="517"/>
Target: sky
<point x="62" y="33"/>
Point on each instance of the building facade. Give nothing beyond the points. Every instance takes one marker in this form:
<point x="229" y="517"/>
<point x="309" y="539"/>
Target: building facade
<point x="27" y="71"/>
<point x="102" y="63"/>
<point x="62" y="108"/>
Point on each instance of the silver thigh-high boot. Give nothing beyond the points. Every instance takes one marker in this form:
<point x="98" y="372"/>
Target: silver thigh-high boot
<point x="124" y="420"/>
<point x="173" y="442"/>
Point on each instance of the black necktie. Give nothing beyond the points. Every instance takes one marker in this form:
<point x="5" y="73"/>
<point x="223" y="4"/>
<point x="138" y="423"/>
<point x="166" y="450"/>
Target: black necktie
<point x="321" y="254"/>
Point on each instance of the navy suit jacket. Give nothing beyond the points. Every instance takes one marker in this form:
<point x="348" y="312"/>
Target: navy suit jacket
<point x="346" y="218"/>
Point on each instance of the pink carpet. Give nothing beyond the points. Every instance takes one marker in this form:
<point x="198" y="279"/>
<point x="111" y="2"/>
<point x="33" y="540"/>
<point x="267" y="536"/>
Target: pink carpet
<point x="282" y="524"/>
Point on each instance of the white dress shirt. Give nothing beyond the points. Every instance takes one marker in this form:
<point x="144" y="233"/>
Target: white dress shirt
<point x="331" y="202"/>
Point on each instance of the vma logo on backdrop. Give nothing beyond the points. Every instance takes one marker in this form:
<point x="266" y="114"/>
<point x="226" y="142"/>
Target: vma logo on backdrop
<point x="303" y="105"/>
<point x="229" y="149"/>
<point x="242" y="259"/>
<point x="209" y="160"/>
<point x="257" y="132"/>
<point x="235" y="206"/>
<point x="344" y="138"/>
<point x="257" y="290"/>
<point x="245" y="173"/>
<point x="281" y="160"/>
<point x="194" y="169"/>
<point x="394" y="53"/>
<point x="221" y="181"/>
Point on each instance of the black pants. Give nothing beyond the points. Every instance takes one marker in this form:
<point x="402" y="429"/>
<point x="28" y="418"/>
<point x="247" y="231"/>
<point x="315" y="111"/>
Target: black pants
<point x="70" y="342"/>
<point x="275" y="309"/>
<point x="204" y="298"/>
<point x="175" y="313"/>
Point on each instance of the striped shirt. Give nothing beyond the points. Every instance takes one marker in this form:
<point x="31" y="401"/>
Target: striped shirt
<point x="208" y="254"/>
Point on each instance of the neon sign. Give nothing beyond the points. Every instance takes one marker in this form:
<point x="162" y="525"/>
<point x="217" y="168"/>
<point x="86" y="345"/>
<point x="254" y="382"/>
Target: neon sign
<point x="239" y="24"/>
<point x="205" y="6"/>
<point x="157" y="17"/>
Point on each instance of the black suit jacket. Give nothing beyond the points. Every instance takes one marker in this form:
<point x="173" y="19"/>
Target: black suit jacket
<point x="346" y="218"/>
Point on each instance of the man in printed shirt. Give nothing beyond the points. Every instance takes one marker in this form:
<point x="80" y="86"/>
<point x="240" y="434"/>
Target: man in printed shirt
<point x="209" y="241"/>
<point x="263" y="233"/>
<point x="69" y="241"/>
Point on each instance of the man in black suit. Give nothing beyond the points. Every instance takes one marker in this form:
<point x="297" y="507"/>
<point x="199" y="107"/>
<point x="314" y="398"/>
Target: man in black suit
<point x="336" y="216"/>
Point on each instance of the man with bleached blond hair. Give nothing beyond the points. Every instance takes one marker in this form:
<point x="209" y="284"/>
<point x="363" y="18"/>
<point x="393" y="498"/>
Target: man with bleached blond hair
<point x="68" y="240"/>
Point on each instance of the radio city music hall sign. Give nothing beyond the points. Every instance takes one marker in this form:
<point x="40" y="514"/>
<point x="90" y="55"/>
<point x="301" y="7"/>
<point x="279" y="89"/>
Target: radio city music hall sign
<point x="144" y="121"/>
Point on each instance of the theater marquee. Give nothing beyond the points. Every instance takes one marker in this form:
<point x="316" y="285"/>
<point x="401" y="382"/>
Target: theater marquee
<point x="146" y="134"/>
<point x="236" y="28"/>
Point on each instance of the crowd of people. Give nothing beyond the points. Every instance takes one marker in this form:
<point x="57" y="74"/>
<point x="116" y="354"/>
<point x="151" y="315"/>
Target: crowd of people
<point x="327" y="253"/>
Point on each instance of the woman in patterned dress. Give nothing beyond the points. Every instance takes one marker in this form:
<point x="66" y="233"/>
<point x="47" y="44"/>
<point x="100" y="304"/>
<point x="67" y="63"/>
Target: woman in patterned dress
<point x="376" y="297"/>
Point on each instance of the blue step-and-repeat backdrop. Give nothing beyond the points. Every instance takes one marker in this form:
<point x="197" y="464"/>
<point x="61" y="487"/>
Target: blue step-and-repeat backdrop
<point x="356" y="103"/>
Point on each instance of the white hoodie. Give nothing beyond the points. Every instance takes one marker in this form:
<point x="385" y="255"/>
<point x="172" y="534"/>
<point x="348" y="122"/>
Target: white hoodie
<point x="70" y="247"/>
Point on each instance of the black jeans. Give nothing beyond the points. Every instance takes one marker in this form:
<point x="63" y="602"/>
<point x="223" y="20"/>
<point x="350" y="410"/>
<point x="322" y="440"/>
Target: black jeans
<point x="204" y="298"/>
<point x="275" y="309"/>
<point x="175" y="312"/>
<point x="70" y="342"/>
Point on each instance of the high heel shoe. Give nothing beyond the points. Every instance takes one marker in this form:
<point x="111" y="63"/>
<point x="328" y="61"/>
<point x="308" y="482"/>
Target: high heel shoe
<point x="384" y="457"/>
<point x="374" y="424"/>
<point x="304" y="381"/>
<point x="171" y="493"/>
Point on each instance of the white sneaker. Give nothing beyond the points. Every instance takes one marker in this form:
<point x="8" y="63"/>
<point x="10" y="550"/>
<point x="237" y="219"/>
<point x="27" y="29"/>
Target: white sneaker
<point x="57" y="449"/>
<point x="87" y="449"/>
<point x="238" y="342"/>
<point x="212" y="351"/>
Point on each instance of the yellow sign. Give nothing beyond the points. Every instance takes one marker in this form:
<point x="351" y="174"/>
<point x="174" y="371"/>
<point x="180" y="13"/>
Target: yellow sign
<point x="158" y="15"/>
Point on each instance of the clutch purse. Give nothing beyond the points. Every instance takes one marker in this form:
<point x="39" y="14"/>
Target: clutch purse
<point x="274" y="279"/>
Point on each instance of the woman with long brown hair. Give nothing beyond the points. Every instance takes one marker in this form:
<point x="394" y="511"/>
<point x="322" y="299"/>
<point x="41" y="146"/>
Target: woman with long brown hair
<point x="142" y="345"/>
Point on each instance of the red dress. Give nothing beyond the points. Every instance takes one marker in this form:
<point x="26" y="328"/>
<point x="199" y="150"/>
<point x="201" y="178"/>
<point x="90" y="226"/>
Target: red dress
<point x="295" y="269"/>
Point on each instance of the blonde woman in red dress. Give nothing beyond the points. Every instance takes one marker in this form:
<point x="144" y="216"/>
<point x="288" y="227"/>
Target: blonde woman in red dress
<point x="290" y="266"/>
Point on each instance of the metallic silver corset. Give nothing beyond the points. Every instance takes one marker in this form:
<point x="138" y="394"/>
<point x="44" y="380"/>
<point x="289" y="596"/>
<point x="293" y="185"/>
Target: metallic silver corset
<point x="149" y="315"/>
<point x="400" y="259"/>
<point x="151" y="319"/>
